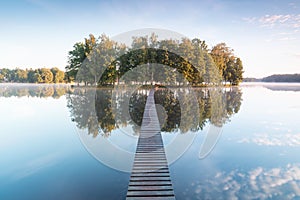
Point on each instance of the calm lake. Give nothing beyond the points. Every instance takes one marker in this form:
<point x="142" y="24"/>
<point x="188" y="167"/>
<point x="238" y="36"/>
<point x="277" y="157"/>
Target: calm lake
<point x="58" y="142"/>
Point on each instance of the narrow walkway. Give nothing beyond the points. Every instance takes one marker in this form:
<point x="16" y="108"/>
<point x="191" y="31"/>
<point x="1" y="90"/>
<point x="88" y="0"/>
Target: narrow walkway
<point x="150" y="178"/>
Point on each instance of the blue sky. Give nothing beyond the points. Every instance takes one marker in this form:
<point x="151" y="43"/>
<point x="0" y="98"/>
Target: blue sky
<point x="265" y="34"/>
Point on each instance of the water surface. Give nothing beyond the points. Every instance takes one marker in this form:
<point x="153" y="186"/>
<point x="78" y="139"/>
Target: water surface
<point x="43" y="129"/>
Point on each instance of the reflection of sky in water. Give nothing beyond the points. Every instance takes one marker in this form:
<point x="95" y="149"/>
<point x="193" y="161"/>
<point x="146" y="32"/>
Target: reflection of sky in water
<point x="258" y="183"/>
<point x="124" y="139"/>
<point x="43" y="158"/>
<point x="257" y="156"/>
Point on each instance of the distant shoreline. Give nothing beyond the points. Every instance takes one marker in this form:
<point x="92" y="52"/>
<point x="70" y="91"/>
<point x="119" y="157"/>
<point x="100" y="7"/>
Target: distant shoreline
<point x="276" y="78"/>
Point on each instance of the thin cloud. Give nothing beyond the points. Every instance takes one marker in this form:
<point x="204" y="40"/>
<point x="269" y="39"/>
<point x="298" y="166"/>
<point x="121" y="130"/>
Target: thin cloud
<point x="250" y="20"/>
<point x="272" y="21"/>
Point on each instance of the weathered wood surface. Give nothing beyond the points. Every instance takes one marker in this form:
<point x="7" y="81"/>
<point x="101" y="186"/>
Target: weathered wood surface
<point x="150" y="177"/>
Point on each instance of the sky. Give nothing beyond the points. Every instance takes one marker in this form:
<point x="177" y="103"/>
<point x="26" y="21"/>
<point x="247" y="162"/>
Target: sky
<point x="264" y="34"/>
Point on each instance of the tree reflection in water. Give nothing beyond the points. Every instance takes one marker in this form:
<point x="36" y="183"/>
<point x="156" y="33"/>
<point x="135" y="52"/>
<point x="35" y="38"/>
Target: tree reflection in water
<point x="121" y="108"/>
<point x="34" y="90"/>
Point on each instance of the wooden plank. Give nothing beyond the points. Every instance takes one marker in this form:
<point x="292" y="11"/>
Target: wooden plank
<point x="150" y="198"/>
<point x="161" y="165"/>
<point x="148" y="168"/>
<point x="150" y="183"/>
<point x="151" y="193"/>
<point x="151" y="175"/>
<point x="151" y="172"/>
<point x="150" y="178"/>
<point x="150" y="161"/>
<point x="153" y="188"/>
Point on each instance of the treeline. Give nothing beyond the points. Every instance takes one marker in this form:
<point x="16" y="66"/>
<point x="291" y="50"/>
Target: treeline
<point x="100" y="61"/>
<point x="288" y="78"/>
<point x="251" y="80"/>
<point x="292" y="78"/>
<point x="42" y="75"/>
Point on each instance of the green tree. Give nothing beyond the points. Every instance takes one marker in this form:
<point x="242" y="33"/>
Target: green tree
<point x="167" y="58"/>
<point x="77" y="56"/>
<point x="239" y="70"/>
<point x="211" y="75"/>
<point x="31" y="75"/>
<point x="234" y="71"/>
<point x="12" y="75"/>
<point x="101" y="65"/>
<point x="75" y="59"/>
<point x="200" y="48"/>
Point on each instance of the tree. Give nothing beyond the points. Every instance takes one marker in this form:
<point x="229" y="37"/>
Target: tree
<point x="38" y="76"/>
<point x="186" y="51"/>
<point x="58" y="75"/>
<point x="46" y="76"/>
<point x="200" y="49"/>
<point x="12" y="75"/>
<point x="211" y="74"/>
<point x="21" y="76"/>
<point x="238" y="72"/>
<point x="234" y="71"/>
<point x="2" y="78"/>
<point x="230" y="67"/>
<point x="139" y="56"/>
<point x="221" y="55"/>
<point x="3" y="74"/>
<point x="75" y="59"/>
<point x="101" y="64"/>
<point x="31" y="76"/>
<point x="166" y="58"/>
<point x="77" y="56"/>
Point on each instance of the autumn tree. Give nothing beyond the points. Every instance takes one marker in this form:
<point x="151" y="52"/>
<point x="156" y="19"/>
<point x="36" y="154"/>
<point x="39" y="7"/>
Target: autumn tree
<point x="230" y="67"/>
<point x="46" y="75"/>
<point x="58" y="75"/>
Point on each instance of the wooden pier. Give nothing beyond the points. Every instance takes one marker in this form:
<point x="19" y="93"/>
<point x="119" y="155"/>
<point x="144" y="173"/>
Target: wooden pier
<point x="150" y="177"/>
